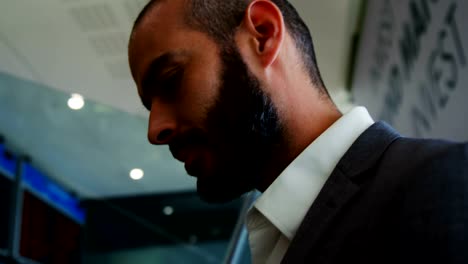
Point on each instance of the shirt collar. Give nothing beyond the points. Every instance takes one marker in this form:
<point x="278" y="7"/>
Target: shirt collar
<point x="287" y="200"/>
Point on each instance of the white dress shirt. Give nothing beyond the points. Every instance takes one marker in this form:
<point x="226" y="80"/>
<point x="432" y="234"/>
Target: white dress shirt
<point x="273" y="220"/>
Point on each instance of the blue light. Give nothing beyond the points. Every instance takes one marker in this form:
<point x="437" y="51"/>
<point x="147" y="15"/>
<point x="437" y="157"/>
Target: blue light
<point x="52" y="193"/>
<point x="42" y="187"/>
<point x="7" y="163"/>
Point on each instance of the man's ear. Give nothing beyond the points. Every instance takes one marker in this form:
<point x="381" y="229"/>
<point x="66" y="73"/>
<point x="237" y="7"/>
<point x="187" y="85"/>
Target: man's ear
<point x="264" y="21"/>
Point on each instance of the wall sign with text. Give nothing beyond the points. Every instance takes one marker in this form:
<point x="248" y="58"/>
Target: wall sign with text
<point x="412" y="66"/>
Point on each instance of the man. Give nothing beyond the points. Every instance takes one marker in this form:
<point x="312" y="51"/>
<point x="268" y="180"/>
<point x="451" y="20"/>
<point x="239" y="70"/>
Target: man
<point x="234" y="89"/>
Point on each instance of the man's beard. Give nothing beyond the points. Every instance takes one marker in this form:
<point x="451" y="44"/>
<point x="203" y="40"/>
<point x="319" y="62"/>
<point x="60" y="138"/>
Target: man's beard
<point x="243" y="131"/>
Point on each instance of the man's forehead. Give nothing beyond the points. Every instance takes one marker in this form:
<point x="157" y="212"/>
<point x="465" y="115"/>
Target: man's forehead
<point x="159" y="12"/>
<point x="150" y="35"/>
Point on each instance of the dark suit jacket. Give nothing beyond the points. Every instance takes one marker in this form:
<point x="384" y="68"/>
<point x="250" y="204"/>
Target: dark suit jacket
<point x="389" y="200"/>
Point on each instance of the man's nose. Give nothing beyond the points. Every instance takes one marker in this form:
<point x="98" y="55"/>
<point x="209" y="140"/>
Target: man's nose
<point x="162" y="124"/>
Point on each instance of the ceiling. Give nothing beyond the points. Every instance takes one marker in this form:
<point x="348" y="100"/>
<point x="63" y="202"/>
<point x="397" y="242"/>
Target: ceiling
<point x="52" y="48"/>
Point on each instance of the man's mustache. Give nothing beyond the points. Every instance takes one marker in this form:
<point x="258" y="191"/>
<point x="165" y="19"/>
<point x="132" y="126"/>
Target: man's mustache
<point x="187" y="139"/>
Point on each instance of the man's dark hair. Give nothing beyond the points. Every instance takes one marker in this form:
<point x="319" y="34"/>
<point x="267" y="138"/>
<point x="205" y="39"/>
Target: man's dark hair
<point x="220" y="19"/>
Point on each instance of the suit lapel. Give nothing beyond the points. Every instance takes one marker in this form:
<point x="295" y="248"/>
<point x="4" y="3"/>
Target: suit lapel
<point x="339" y="189"/>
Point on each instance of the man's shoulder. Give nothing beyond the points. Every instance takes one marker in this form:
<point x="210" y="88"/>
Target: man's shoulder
<point x="430" y="152"/>
<point x="408" y="160"/>
<point x="427" y="167"/>
<point x="404" y="149"/>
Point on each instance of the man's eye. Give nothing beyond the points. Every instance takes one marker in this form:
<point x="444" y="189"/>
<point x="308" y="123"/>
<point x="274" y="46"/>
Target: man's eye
<point x="170" y="84"/>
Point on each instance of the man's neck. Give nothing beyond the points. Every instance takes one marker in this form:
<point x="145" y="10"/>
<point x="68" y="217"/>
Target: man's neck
<point x="298" y="136"/>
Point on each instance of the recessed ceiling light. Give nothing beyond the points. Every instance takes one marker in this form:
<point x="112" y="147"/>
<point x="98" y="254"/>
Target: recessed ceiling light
<point x="76" y="102"/>
<point x="136" y="174"/>
<point x="168" y="210"/>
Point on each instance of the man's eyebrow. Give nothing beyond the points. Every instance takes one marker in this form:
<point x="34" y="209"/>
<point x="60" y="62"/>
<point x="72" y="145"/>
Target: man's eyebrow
<point x="154" y="70"/>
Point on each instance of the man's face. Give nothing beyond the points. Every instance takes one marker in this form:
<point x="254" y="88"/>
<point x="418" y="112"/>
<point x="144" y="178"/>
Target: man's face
<point x="205" y="104"/>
